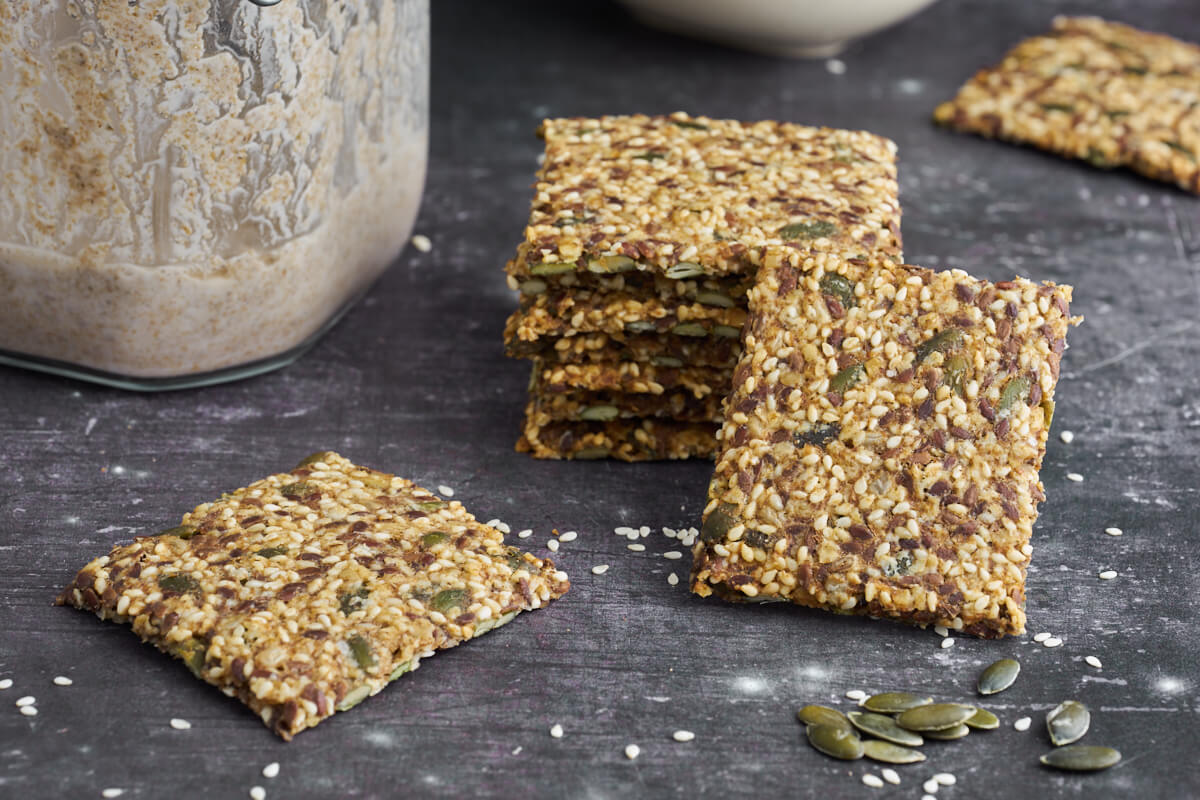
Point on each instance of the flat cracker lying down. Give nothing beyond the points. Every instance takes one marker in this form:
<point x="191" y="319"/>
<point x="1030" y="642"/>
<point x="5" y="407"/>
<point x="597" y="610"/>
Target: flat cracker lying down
<point x="881" y="446"/>
<point x="307" y="591"/>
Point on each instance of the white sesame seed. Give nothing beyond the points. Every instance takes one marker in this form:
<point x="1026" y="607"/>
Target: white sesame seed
<point x="836" y="66"/>
<point x="1067" y="437"/>
<point x="113" y="792"/>
<point x="525" y="534"/>
<point x="1093" y="662"/>
<point x="556" y="731"/>
<point x="1053" y="641"/>
<point x="503" y="527"/>
<point x="492" y="523"/>
<point x="670" y="533"/>
<point x="422" y="243"/>
<point x="931" y="786"/>
<point x="672" y="554"/>
<point x="1043" y="636"/>
<point x="624" y="531"/>
<point x="27" y="700"/>
<point x="600" y="569"/>
<point x="445" y="490"/>
<point x="271" y="770"/>
<point x="856" y="694"/>
<point x="29" y="711"/>
<point x="180" y="724"/>
<point x="1074" y="476"/>
<point x="62" y="680"/>
<point x="644" y="530"/>
<point x="891" y="776"/>
<point x="552" y="545"/>
<point x="928" y="797"/>
<point x="632" y="751"/>
<point x="559" y="575"/>
<point x="683" y="736"/>
<point x="635" y="547"/>
<point x="947" y="642"/>
<point x="517" y="750"/>
<point x="569" y="536"/>
<point x="1107" y="575"/>
<point x="1022" y="724"/>
<point x="1113" y="531"/>
<point x="941" y="630"/>
<point x="945" y="779"/>
<point x="258" y="793"/>
<point x="873" y="781"/>
<point x="6" y="683"/>
<point x="673" y="579"/>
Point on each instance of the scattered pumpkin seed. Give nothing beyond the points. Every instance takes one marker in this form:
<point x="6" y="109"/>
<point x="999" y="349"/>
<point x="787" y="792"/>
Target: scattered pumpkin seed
<point x="983" y="720"/>
<point x="726" y="332"/>
<point x="609" y="264"/>
<point x="888" y="753"/>
<point x="271" y="552"/>
<point x="846" y="378"/>
<point x="895" y="702"/>
<point x="182" y="531"/>
<point x="822" y="715"/>
<point x="936" y="717"/>
<point x="1067" y="722"/>
<point x="715" y="299"/>
<point x="551" y="268"/>
<point x="944" y="341"/>
<point x="998" y="676"/>
<point x="354" y="697"/>
<point x="434" y="538"/>
<point x="600" y="413"/>
<point x="533" y="286"/>
<point x="1081" y="758"/>
<point x="839" y="286"/>
<point x="816" y="229"/>
<point x="717" y="524"/>
<point x="689" y="329"/>
<point x="178" y="583"/>
<point x="360" y="648"/>
<point x="684" y="269"/>
<point x="884" y="727"/>
<point x="836" y="741"/>
<point x="1014" y="390"/>
<point x="353" y="600"/>
<point x="591" y="453"/>
<point x="949" y="734"/>
<point x="818" y="434"/>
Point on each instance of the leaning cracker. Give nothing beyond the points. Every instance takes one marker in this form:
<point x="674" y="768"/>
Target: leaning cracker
<point x="1095" y="90"/>
<point x="881" y="445"/>
<point x="306" y="592"/>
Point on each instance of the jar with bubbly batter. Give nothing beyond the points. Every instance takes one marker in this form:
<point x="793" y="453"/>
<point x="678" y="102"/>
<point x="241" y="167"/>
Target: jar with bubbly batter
<point x="194" y="190"/>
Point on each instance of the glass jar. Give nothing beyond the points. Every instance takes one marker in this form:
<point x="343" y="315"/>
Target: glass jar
<point x="195" y="190"/>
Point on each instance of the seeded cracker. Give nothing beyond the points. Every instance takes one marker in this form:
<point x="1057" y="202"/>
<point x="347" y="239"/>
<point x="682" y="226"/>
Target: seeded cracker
<point x="881" y="446"/>
<point x="636" y="439"/>
<point x="306" y="592"/>
<point x="1100" y="91"/>
<point x="662" y="351"/>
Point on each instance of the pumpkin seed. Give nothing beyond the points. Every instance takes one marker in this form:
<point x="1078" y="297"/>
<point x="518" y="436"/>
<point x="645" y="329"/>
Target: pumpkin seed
<point x="726" y="332"/>
<point x="840" y="287"/>
<point x="313" y="458"/>
<point x="354" y="600"/>
<point x="1177" y="147"/>
<point x="400" y="670"/>
<point x="999" y="675"/>
<point x="936" y="717"/>
<point x="551" y="268"/>
<point x="888" y="753"/>
<point x="692" y="125"/>
<point x="944" y="341"/>
<point x="816" y="229"/>
<point x="182" y="531"/>
<point x="447" y="599"/>
<point x="894" y="702"/>
<point x="818" y="435"/>
<point x="716" y="299"/>
<point x="846" y="378"/>
<point x="178" y="583"/>
<point x="949" y="734"/>
<point x="983" y="720"/>
<point x="1048" y="412"/>
<point x="434" y="538"/>
<point x="360" y="648"/>
<point x="884" y="727"/>
<point x="1067" y="722"/>
<point x="649" y="156"/>
<point x="640" y="326"/>
<point x="1058" y="107"/>
<point x="299" y="489"/>
<point x="835" y="741"/>
<point x="1081" y="758"/>
<point x="684" y="269"/>
<point x="609" y="264"/>
<point x="271" y="552"/>
<point x="600" y="413"/>
<point x="432" y="505"/>
<point x="689" y="329"/>
<point x="533" y="286"/>
<point x="1014" y="390"/>
<point x="495" y="622"/>
<point x="666" y="361"/>
<point x="822" y="715"/>
<point x="192" y="652"/>
<point x="953" y="372"/>
<point x="591" y="453"/>
<point x="354" y="697"/>
<point x="717" y="524"/>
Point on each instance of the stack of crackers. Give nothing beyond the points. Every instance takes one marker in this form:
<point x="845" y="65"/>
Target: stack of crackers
<point x="645" y="236"/>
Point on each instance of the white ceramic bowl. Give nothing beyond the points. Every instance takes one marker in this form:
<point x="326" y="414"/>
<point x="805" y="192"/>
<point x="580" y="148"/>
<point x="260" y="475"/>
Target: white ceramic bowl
<point x="795" y="28"/>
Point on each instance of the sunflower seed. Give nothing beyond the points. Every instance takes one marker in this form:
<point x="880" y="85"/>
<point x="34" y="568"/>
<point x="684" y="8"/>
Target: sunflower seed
<point x="1067" y="722"/>
<point x="947" y="734"/>
<point x="834" y="741"/>
<point x="999" y="675"/>
<point x="884" y="727"/>
<point x="894" y="702"/>
<point x="983" y="720"/>
<point x="1081" y="758"/>
<point x="1023" y="724"/>
<point x="936" y="717"/>
<point x="822" y="715"/>
<point x="888" y="753"/>
<point x="599" y="413"/>
<point x="874" y="781"/>
<point x="550" y="269"/>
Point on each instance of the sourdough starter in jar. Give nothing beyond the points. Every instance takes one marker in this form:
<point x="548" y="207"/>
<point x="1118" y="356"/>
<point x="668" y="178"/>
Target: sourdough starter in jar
<point x="192" y="185"/>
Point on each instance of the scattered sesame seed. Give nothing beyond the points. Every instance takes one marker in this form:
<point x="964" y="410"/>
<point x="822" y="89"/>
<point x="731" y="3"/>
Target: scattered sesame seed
<point x="1043" y="636"/>
<point x="271" y="770"/>
<point x="836" y="66"/>
<point x="517" y="750"/>
<point x="180" y="724"/>
<point x="928" y="797"/>
<point x="503" y="527"/>
<point x="1093" y="662"/>
<point x="525" y="534"/>
<point x="683" y="736"/>
<point x="673" y="579"/>
<point x="62" y="680"/>
<point x="27" y="700"/>
<point x="1074" y="476"/>
<point x="1022" y="724"/>
<point x="559" y="575"/>
<point x="492" y="523"/>
<point x="556" y="731"/>
<point x="931" y="786"/>
<point x="29" y="711"/>
<point x="644" y="530"/>
<point x="258" y="793"/>
<point x="422" y="243"/>
<point x="670" y="533"/>
<point x="945" y="779"/>
<point x="114" y="792"/>
<point x="947" y="642"/>
<point x="1067" y="437"/>
<point x="1113" y="531"/>
<point x="1053" y="641"/>
<point x="445" y="490"/>
<point x="624" y="531"/>
<point x="672" y="554"/>
<point x="856" y="694"/>
<point x="1107" y="575"/>
<point x="941" y="630"/>
<point x="600" y="569"/>
<point x="632" y="751"/>
<point x="872" y="780"/>
<point x="552" y="545"/>
<point x="6" y="683"/>
<point x="635" y="547"/>
<point x="891" y="776"/>
<point x="569" y="536"/>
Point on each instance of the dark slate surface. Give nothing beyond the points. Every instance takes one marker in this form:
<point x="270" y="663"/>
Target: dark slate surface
<point x="413" y="381"/>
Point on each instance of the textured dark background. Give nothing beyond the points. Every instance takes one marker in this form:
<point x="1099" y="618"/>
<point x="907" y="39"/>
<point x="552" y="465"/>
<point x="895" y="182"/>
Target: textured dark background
<point x="413" y="381"/>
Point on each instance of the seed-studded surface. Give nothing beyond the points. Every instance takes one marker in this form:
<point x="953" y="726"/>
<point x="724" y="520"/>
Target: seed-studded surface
<point x="881" y="446"/>
<point x="622" y="439"/>
<point x="661" y="351"/>
<point x="307" y="591"/>
<point x="585" y="406"/>
<point x="661" y="191"/>
<point x="1100" y="91"/>
<point x="629" y="376"/>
